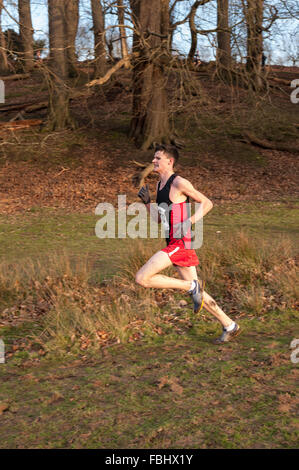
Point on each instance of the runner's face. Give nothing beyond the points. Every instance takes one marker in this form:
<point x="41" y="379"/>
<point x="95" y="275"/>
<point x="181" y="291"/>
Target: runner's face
<point x="161" y="162"/>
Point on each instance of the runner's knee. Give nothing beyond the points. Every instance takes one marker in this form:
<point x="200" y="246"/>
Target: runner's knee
<point x="141" y="280"/>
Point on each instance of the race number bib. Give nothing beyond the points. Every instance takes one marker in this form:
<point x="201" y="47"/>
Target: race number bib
<point x="164" y="216"/>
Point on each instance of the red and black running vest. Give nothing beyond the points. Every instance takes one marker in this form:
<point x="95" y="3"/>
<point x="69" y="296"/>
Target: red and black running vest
<point x="172" y="213"/>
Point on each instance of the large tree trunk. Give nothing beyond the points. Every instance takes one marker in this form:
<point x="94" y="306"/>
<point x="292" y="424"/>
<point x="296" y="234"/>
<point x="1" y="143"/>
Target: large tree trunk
<point x="122" y="30"/>
<point x="26" y="34"/>
<point x="99" y="38"/>
<point x="3" y="55"/>
<point x="150" y="121"/>
<point x="71" y="21"/>
<point x="59" y="114"/>
<point x="223" y="40"/>
<point x="254" y="19"/>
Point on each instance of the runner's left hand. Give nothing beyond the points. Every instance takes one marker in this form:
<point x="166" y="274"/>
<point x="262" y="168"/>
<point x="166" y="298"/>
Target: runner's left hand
<point x="145" y="195"/>
<point x="180" y="229"/>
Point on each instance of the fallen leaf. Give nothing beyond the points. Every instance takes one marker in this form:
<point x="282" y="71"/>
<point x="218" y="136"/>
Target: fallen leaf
<point x="85" y="436"/>
<point x="57" y="396"/>
<point x="284" y="407"/>
<point x="284" y="398"/>
<point x="3" y="407"/>
<point x="175" y="387"/>
<point x="173" y="384"/>
<point x="163" y="381"/>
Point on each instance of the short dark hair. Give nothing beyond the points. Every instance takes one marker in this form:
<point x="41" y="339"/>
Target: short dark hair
<point x="170" y="150"/>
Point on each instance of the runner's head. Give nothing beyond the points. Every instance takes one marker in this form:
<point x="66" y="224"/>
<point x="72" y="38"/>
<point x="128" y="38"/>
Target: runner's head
<point x="165" y="155"/>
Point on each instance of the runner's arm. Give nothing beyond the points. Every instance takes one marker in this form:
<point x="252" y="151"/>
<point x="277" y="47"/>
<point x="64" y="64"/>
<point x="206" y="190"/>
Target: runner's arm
<point x="188" y="189"/>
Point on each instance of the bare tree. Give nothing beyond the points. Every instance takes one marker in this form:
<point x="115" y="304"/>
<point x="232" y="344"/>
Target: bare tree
<point x="172" y="23"/>
<point x="223" y="57"/>
<point x="150" y="121"/>
<point x="99" y="37"/>
<point x="71" y="22"/>
<point x="193" y="29"/>
<point x="3" y="55"/>
<point x="122" y="30"/>
<point x="290" y="46"/>
<point x="254" y="10"/>
<point x="59" y="114"/>
<point x="26" y="34"/>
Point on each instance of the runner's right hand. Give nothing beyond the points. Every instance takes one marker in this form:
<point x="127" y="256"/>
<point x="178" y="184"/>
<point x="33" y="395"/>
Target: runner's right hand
<point x="144" y="194"/>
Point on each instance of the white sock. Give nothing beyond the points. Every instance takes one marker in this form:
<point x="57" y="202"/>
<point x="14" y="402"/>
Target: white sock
<point x="230" y="327"/>
<point x="193" y="284"/>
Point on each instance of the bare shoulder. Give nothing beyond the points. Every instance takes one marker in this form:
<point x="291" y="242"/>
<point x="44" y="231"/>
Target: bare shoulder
<point x="181" y="183"/>
<point x="186" y="187"/>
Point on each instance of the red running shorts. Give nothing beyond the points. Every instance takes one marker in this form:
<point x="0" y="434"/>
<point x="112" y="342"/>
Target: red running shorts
<point x="179" y="255"/>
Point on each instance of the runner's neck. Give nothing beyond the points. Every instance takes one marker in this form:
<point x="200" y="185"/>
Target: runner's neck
<point x="164" y="178"/>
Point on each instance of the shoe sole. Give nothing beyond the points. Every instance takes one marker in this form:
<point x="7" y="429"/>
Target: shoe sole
<point x="201" y="305"/>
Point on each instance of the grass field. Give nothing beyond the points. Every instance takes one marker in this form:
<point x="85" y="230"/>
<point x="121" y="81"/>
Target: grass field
<point x="92" y="361"/>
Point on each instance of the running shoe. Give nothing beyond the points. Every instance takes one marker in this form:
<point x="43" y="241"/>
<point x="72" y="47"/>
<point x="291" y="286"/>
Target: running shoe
<point x="228" y="335"/>
<point x="197" y="296"/>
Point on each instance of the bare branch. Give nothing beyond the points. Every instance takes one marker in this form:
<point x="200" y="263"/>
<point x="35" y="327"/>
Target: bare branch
<point x="102" y="80"/>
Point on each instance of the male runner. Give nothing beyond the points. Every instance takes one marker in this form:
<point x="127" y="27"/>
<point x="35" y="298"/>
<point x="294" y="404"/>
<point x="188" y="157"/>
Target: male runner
<point x="173" y="192"/>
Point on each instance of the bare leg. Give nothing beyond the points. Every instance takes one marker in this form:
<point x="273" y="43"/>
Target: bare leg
<point x="189" y="273"/>
<point x="211" y="306"/>
<point x="147" y="276"/>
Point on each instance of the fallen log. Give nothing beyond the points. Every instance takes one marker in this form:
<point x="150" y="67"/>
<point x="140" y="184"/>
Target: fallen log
<point x="281" y="81"/>
<point x="14" y="107"/>
<point x="252" y="139"/>
<point x="18" y="76"/>
<point x="36" y="106"/>
<point x="16" y="125"/>
<point x="31" y="107"/>
<point x="27" y="107"/>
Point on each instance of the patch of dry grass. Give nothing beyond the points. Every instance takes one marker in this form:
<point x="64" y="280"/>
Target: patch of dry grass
<point x="259" y="274"/>
<point x="78" y="314"/>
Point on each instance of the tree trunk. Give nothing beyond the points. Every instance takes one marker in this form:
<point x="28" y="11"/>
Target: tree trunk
<point x="71" y="21"/>
<point x="254" y="19"/>
<point x="150" y="121"/>
<point x="165" y="25"/>
<point x="26" y="34"/>
<point x="193" y="33"/>
<point x="59" y="114"/>
<point x="99" y="38"/>
<point x="223" y="58"/>
<point x="3" y="54"/>
<point x="122" y="30"/>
